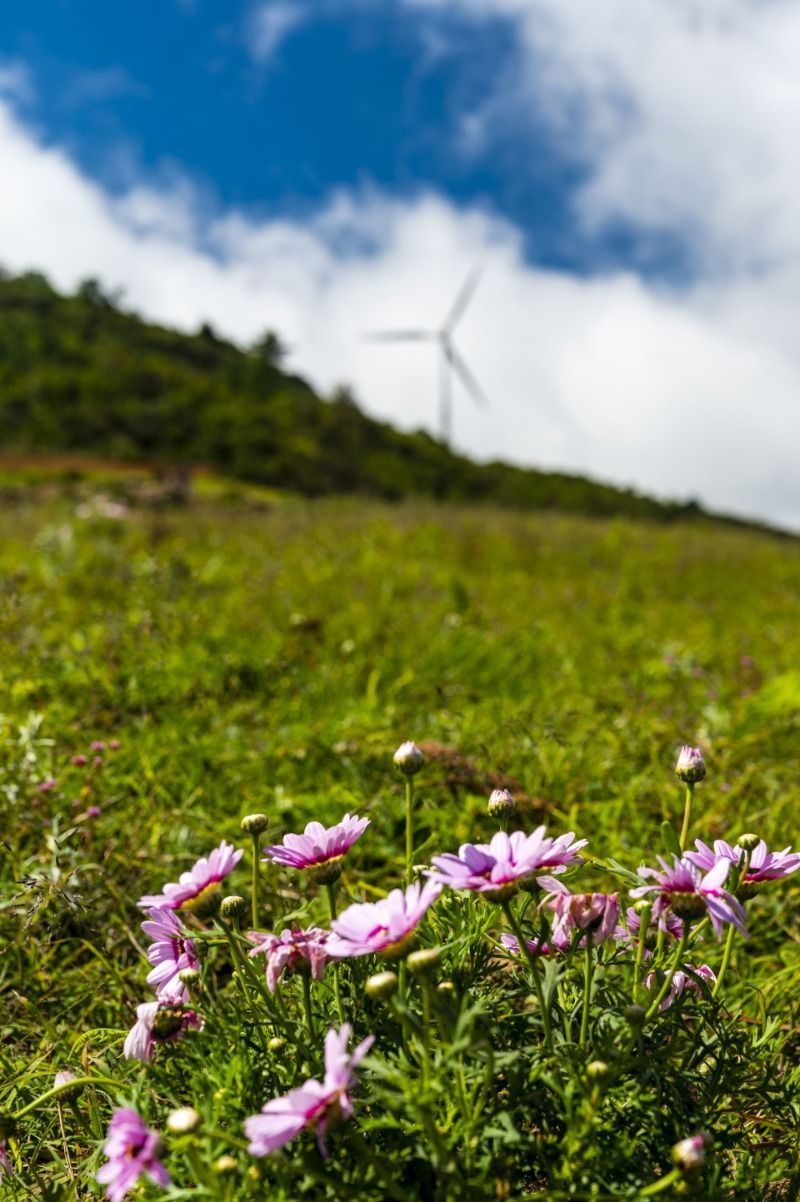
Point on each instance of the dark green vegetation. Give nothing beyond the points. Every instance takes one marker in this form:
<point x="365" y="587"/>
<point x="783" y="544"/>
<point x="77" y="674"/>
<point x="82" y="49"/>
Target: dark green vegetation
<point x="255" y="656"/>
<point x="79" y="374"/>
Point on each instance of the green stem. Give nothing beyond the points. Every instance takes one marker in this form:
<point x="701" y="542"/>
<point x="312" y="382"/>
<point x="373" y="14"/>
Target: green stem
<point x="254" y="888"/>
<point x="687" y="815"/>
<point x="588" y="967"/>
<point x="337" y="993"/>
<point x="534" y="967"/>
<point x="663" y="1183"/>
<point x="426" y="1034"/>
<point x="677" y="960"/>
<point x="726" y="959"/>
<point x="409" y="827"/>
<point x="67" y="1087"/>
<point x="306" y="979"/>
<point x="644" y="926"/>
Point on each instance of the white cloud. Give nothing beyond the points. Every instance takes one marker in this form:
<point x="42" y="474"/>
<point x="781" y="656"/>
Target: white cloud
<point x="691" y="393"/>
<point x="684" y="113"/>
<point x="270" y="24"/>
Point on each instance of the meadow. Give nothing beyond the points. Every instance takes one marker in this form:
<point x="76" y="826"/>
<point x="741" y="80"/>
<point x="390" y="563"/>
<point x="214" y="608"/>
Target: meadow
<point x="253" y="652"/>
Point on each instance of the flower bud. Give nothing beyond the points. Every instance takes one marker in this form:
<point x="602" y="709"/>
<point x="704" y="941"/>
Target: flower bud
<point x="635" y="1015"/>
<point x="642" y="906"/>
<point x="501" y="804"/>
<point x="233" y="906"/>
<point x="691" y="766"/>
<point x="690" y="1154"/>
<point x="254" y="824"/>
<point x="64" y="1077"/>
<point x="183" y="1120"/>
<point x="189" y="977"/>
<point x="408" y="758"/>
<point x="276" y="1044"/>
<point x="224" y="1165"/>
<point x="748" y="841"/>
<point x="425" y="961"/>
<point x="597" y="1070"/>
<point x="382" y="985"/>
<point x="446" y="987"/>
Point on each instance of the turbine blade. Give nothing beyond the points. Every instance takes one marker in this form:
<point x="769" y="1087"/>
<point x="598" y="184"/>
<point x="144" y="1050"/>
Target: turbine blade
<point x="466" y="377"/>
<point x="400" y="335"/>
<point x="462" y="299"/>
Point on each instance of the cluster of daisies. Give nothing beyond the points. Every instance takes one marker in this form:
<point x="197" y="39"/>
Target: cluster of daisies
<point x="704" y="887"/>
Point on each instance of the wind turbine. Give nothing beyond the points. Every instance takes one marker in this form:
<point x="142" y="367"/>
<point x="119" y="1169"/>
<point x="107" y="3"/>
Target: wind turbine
<point x="451" y="361"/>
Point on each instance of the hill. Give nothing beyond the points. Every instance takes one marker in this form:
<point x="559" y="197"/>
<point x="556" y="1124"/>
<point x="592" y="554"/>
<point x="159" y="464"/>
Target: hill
<point x="79" y="374"/>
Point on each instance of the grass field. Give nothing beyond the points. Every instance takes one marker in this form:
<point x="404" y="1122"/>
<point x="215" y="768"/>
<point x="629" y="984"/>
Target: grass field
<point x="256" y="653"/>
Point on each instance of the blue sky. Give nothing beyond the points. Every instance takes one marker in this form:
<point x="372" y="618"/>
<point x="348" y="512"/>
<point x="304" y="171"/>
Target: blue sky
<point x="627" y="172"/>
<point x="269" y="107"/>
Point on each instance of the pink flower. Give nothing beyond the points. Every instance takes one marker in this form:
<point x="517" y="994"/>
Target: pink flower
<point x="683" y="979"/>
<point x="534" y="945"/>
<point x="132" y="1149"/>
<point x="79" y="760"/>
<point x="595" y="913"/>
<point x="169" y="954"/>
<point x="48" y="785"/>
<point x="318" y="848"/>
<point x="763" y="865"/>
<point x="384" y="926"/>
<point x="5" y="1164"/>
<point x="164" y="1021"/>
<point x="64" y="1077"/>
<point x="495" y="868"/>
<point x="291" y="951"/>
<point x="682" y="888"/>
<point x="97" y="745"/>
<point x="198" y="886"/>
<point x="316" y="1103"/>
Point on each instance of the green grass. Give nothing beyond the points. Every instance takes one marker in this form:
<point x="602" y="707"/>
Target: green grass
<point x="270" y="654"/>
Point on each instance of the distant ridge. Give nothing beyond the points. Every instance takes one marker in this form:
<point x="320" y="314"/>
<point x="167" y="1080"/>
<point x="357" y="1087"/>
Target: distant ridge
<point x="78" y="374"/>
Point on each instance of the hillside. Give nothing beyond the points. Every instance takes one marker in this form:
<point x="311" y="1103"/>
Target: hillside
<point x="78" y="374"/>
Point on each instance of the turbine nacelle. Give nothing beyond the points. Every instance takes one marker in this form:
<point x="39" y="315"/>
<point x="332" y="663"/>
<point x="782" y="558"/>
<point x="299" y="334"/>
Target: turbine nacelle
<point x="452" y="362"/>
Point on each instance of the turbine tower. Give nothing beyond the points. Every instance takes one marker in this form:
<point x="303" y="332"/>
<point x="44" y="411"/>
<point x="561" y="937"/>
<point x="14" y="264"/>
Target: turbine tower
<point x="451" y="362"/>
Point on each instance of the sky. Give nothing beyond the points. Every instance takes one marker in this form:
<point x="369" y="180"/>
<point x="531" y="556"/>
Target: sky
<point x="626" y="174"/>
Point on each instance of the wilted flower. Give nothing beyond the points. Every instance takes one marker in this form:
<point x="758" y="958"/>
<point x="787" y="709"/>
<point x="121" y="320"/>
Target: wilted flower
<point x="689" y="1154"/>
<point x="595" y="913"/>
<point x="495" y="868"/>
<point x="197" y="887"/>
<point x="682" y="979"/>
<point x="762" y="865"/>
<point x="318" y="848"/>
<point x="409" y="758"/>
<point x="291" y="951"/>
<point x="691" y="766"/>
<point x="316" y="1103"/>
<point x="682" y="888"/>
<point x="132" y="1149"/>
<point x="667" y="922"/>
<point x="164" y="1021"/>
<point x="535" y="946"/>
<point x="170" y="954"/>
<point x="384" y="926"/>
